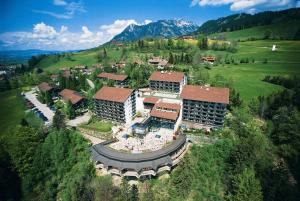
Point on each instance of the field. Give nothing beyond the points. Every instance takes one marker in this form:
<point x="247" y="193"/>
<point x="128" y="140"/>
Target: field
<point x="281" y="30"/>
<point x="247" y="78"/>
<point x="11" y="112"/>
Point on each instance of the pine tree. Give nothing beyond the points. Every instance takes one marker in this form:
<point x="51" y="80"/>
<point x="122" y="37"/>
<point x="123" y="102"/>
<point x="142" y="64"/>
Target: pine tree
<point x="59" y="120"/>
<point x="246" y="187"/>
<point x="171" y="58"/>
<point x="181" y="58"/>
<point x="125" y="190"/>
<point x="70" y="111"/>
<point x="104" y="53"/>
<point x="134" y="193"/>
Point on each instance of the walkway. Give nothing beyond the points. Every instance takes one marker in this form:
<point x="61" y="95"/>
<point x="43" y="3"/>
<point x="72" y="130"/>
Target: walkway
<point x="79" y="120"/>
<point x="31" y="96"/>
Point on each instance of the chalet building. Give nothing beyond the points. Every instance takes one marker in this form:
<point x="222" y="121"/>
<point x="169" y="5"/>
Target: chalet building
<point x="120" y="80"/>
<point x="45" y="87"/>
<point x="115" y="104"/>
<point x="158" y="62"/>
<point x="167" y="81"/>
<point x="204" y="105"/>
<point x="165" y="114"/>
<point x="209" y="59"/>
<point x="77" y="100"/>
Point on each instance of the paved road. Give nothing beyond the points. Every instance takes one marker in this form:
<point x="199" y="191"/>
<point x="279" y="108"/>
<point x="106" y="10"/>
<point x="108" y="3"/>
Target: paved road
<point x="42" y="107"/>
<point x="79" y="120"/>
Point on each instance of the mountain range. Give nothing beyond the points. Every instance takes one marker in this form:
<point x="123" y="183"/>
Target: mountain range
<point x="159" y="29"/>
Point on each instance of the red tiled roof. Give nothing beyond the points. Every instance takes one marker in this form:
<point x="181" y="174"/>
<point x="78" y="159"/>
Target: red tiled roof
<point x="44" y="86"/>
<point x="150" y="99"/>
<point x="70" y="95"/>
<point x="113" y="94"/>
<point x="164" y="110"/>
<point x="173" y="106"/>
<point x="208" y="94"/>
<point x="112" y="76"/>
<point x="167" y="76"/>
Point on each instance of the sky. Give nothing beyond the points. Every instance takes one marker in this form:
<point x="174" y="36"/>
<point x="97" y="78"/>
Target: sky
<point x="82" y="24"/>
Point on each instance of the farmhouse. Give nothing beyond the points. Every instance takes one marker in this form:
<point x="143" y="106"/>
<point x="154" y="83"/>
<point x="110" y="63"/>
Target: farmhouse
<point x="209" y="59"/>
<point x="204" y="105"/>
<point x="45" y="87"/>
<point x="74" y="97"/>
<point x="115" y="104"/>
<point x="159" y="62"/>
<point x="120" y="80"/>
<point x="167" y="81"/>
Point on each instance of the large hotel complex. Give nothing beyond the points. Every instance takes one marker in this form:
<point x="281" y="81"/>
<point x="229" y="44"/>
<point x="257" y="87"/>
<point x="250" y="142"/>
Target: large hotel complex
<point x="146" y="135"/>
<point x="150" y="118"/>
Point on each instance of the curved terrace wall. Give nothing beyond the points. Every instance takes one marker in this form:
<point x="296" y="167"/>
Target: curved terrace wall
<point x="140" y="164"/>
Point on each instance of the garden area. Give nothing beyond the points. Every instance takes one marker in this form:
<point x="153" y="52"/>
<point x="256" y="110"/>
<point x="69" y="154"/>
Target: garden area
<point x="97" y="128"/>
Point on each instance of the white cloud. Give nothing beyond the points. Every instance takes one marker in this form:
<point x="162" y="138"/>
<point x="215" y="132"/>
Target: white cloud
<point x="56" y="15"/>
<point x="298" y="4"/>
<point x="70" y="9"/>
<point x="59" y="2"/>
<point x="117" y="27"/>
<point x="46" y="37"/>
<point x="238" y="5"/>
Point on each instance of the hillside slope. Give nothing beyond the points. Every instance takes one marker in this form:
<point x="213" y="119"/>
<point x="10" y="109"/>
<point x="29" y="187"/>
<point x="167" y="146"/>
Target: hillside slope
<point x="243" y="21"/>
<point x="159" y="29"/>
<point x="285" y="30"/>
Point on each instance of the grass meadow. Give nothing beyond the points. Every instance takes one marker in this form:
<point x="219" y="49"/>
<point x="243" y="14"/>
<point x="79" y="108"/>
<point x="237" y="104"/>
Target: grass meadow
<point x="12" y="110"/>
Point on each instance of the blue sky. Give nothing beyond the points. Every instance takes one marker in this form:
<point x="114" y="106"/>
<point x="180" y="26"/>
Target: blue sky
<point x="80" y="24"/>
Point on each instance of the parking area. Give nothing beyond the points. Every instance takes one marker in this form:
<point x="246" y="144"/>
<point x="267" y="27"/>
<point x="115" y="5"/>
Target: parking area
<point x="38" y="106"/>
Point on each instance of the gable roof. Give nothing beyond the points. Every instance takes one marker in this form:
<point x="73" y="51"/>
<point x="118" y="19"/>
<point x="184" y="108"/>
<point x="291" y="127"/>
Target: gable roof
<point x="208" y="94"/>
<point x="70" y="95"/>
<point x="44" y="87"/>
<point x="167" y="76"/>
<point x="113" y="94"/>
<point x="112" y="76"/>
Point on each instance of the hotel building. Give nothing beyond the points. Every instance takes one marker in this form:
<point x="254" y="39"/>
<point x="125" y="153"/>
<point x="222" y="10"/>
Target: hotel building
<point x="120" y="80"/>
<point x="167" y="81"/>
<point x="115" y="104"/>
<point x="204" y="105"/>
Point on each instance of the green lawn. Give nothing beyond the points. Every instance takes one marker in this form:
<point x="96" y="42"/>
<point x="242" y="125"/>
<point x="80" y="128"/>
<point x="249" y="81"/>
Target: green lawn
<point x="12" y="110"/>
<point x="101" y="126"/>
<point x="247" y="78"/>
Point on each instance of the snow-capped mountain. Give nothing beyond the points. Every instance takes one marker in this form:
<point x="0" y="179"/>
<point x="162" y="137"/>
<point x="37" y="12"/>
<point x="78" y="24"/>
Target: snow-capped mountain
<point x="159" y="29"/>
